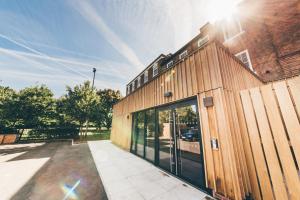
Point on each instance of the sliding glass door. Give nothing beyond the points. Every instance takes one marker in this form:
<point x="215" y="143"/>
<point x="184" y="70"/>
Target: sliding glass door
<point x="170" y="137"/>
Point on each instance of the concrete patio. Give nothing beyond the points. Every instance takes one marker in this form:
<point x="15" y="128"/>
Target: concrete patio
<point x="126" y="176"/>
<point x="48" y="171"/>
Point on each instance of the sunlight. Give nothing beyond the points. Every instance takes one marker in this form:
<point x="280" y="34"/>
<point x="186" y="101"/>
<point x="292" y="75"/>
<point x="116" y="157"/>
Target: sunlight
<point x="15" y="174"/>
<point x="221" y="9"/>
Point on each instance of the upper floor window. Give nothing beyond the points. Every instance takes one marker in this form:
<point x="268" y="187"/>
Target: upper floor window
<point x="139" y="81"/>
<point x="203" y="40"/>
<point x="245" y="58"/>
<point x="183" y="54"/>
<point x="170" y="63"/>
<point x="128" y="89"/>
<point x="133" y="85"/>
<point x="146" y="76"/>
<point x="232" y="28"/>
<point x="155" y="69"/>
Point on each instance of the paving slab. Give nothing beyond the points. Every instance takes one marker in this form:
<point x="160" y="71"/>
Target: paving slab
<point x="126" y="176"/>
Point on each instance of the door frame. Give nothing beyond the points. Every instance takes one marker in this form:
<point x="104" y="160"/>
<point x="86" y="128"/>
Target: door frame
<point x="172" y="106"/>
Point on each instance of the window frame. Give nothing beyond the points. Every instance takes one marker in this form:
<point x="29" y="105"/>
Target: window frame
<point x="155" y="69"/>
<point x="183" y="54"/>
<point x="138" y="82"/>
<point x="133" y="85"/>
<point x="170" y="64"/>
<point x="201" y="39"/>
<point x="146" y="79"/>
<point x="248" y="58"/>
<point x="241" y="31"/>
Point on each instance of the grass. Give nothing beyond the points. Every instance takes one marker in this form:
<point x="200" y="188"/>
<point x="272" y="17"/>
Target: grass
<point x="100" y="135"/>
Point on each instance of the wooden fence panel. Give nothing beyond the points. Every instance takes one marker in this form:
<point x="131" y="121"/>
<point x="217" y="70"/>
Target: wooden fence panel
<point x="257" y="149"/>
<point x="273" y="128"/>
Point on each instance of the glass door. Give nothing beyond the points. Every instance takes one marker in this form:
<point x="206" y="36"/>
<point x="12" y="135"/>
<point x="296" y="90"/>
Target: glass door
<point x="179" y="137"/>
<point x="188" y="145"/>
<point x="165" y="139"/>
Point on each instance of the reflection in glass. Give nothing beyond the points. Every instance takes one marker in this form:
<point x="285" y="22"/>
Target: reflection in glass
<point x="165" y="140"/>
<point x="140" y="133"/>
<point x="188" y="144"/>
<point x="150" y="135"/>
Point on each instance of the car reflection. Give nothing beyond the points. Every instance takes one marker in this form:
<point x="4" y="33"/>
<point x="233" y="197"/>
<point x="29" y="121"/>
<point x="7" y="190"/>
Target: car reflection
<point x="189" y="135"/>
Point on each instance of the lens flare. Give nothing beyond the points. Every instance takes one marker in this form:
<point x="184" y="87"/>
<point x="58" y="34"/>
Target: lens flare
<point x="69" y="191"/>
<point x="221" y="9"/>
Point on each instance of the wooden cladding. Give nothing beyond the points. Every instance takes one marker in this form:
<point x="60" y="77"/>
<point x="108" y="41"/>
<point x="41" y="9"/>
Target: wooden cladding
<point x="205" y="69"/>
<point x="208" y="72"/>
<point x="272" y="114"/>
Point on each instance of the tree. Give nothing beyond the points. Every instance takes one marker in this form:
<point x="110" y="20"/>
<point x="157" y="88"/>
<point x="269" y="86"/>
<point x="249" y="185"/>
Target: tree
<point x="108" y="98"/>
<point x="79" y="104"/>
<point x="9" y="108"/>
<point x="36" y="107"/>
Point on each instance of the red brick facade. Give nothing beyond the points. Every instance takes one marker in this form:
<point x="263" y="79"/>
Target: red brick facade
<point x="263" y="34"/>
<point x="270" y="31"/>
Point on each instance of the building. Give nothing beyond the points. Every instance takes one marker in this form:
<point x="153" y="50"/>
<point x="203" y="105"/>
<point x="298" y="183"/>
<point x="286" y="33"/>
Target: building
<point x="179" y="119"/>
<point x="265" y="39"/>
<point x="183" y="113"/>
<point x="266" y="36"/>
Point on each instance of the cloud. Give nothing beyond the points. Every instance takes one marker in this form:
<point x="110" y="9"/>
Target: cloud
<point x="92" y="17"/>
<point x="40" y="54"/>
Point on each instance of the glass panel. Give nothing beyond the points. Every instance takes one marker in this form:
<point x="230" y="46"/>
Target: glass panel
<point x="188" y="145"/>
<point x="133" y="139"/>
<point x="165" y="141"/>
<point x="140" y="133"/>
<point x="150" y="135"/>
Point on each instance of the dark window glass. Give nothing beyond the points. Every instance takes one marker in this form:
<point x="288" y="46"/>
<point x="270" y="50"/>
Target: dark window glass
<point x="134" y="133"/>
<point x="165" y="140"/>
<point x="150" y="135"/>
<point x="140" y="133"/>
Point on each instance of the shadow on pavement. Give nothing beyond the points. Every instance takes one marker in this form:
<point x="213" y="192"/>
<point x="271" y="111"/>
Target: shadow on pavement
<point x="67" y="165"/>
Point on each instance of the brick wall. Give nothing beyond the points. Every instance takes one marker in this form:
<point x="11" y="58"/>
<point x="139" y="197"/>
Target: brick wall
<point x="271" y="35"/>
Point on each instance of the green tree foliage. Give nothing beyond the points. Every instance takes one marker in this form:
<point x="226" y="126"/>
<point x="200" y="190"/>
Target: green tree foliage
<point x="80" y="103"/>
<point x="35" y="108"/>
<point x="108" y="98"/>
<point x="9" y="108"/>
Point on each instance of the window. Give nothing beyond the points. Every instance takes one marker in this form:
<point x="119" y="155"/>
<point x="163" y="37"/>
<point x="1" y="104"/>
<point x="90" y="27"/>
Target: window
<point x="231" y="28"/>
<point x="146" y="76"/>
<point x="245" y="58"/>
<point x="203" y="40"/>
<point x="155" y="69"/>
<point x="150" y="135"/>
<point x="128" y="89"/>
<point x="169" y="64"/>
<point x="183" y="54"/>
<point x="138" y="134"/>
<point x="143" y="134"/>
<point x="139" y="81"/>
<point x="133" y="85"/>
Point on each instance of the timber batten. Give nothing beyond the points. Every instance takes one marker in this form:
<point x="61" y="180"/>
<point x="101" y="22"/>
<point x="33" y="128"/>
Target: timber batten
<point x="210" y="71"/>
<point x="257" y="125"/>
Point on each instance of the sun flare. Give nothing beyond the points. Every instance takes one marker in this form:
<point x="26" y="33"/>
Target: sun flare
<point x="221" y="9"/>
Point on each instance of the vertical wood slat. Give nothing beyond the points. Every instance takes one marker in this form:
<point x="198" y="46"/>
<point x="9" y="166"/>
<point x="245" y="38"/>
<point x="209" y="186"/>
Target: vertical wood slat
<point x="206" y="136"/>
<point x="238" y="148"/>
<point x="189" y="84"/>
<point x="294" y="85"/>
<point x="255" y="190"/>
<point x="281" y="141"/>
<point x="217" y="155"/>
<point x="258" y="154"/>
<point x="229" y="162"/>
<point x="194" y="80"/>
<point x="268" y="145"/>
<point x="289" y="116"/>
